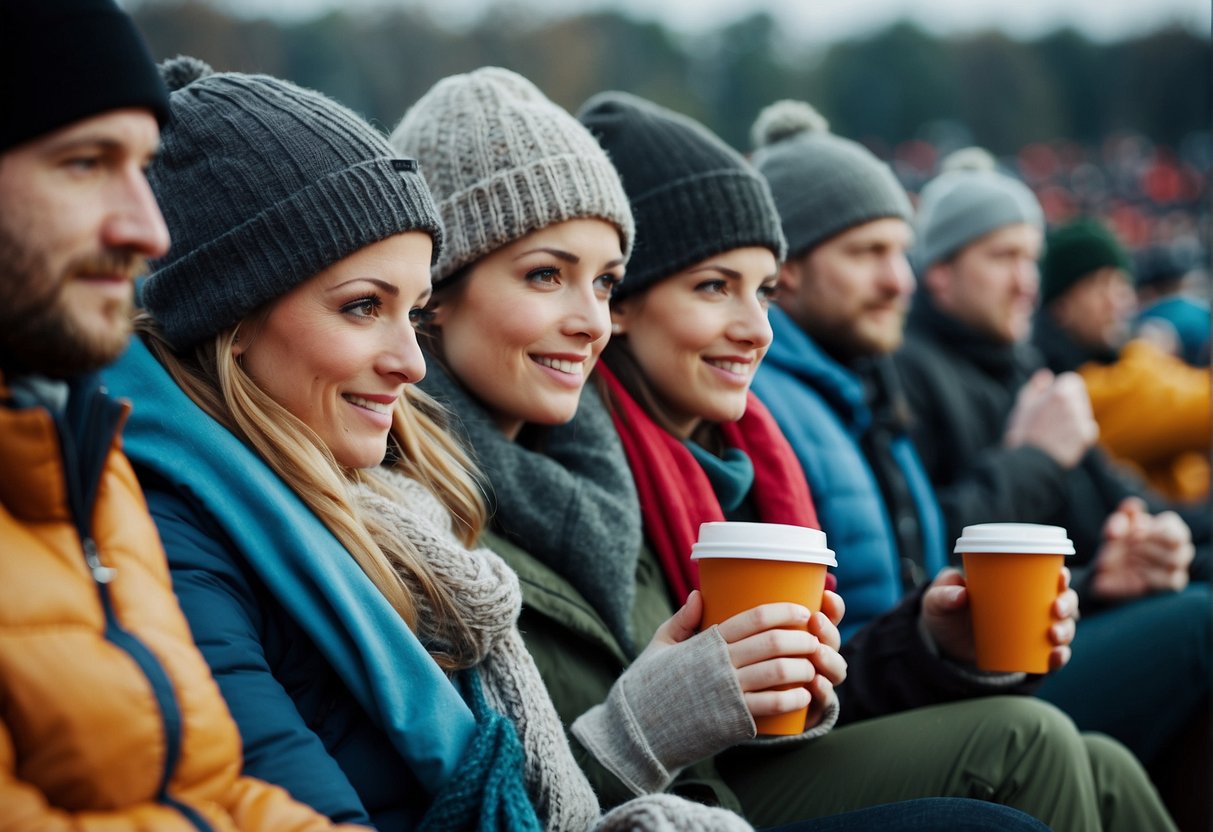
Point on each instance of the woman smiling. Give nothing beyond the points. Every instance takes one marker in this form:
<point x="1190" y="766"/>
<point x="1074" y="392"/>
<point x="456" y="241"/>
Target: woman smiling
<point x="521" y="310"/>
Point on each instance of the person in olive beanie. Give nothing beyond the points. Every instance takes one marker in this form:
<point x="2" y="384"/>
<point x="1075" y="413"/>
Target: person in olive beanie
<point x="1075" y="250"/>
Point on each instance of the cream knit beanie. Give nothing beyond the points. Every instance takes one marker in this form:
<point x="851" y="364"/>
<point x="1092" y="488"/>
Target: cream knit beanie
<point x="503" y="161"/>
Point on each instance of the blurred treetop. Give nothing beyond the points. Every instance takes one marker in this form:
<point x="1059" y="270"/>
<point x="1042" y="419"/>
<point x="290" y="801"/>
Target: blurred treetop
<point x="899" y="84"/>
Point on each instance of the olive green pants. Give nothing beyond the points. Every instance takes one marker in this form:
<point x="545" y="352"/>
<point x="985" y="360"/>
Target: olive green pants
<point x="1017" y="751"/>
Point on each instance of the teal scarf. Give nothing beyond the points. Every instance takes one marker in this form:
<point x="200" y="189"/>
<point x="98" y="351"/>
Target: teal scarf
<point x="303" y="565"/>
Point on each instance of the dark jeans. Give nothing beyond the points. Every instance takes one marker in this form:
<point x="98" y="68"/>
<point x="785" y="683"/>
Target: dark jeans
<point x="1140" y="671"/>
<point x="954" y="814"/>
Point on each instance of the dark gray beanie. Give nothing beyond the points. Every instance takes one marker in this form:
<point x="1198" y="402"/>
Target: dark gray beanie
<point x="264" y="184"/>
<point x="970" y="199"/>
<point x="692" y="195"/>
<point x="823" y="184"/>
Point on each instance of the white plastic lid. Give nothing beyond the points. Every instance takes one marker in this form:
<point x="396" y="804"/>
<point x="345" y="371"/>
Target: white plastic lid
<point x="762" y="541"/>
<point x="1020" y="538"/>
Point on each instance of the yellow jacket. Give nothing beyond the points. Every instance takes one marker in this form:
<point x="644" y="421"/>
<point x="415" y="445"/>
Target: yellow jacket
<point x="1154" y="411"/>
<point x="109" y="718"/>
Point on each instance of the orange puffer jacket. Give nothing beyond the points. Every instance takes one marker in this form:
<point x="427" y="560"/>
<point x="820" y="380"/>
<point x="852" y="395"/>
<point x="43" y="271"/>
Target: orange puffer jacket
<point x="109" y="718"/>
<point x="1155" y="411"/>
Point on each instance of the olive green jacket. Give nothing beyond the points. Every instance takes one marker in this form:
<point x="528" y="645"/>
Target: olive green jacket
<point x="580" y="660"/>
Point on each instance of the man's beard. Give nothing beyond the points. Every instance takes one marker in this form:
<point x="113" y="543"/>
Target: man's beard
<point x="38" y="332"/>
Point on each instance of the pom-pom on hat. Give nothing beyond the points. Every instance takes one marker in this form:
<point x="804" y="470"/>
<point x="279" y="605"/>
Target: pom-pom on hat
<point x="264" y="184"/>
<point x="823" y="184"/>
<point x="968" y="200"/>
<point x="693" y="195"/>
<point x="503" y="161"/>
<point x="1074" y="251"/>
<point x="62" y="61"/>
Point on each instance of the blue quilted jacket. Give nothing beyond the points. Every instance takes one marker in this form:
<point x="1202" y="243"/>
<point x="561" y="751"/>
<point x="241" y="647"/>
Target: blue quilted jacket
<point x="821" y="407"/>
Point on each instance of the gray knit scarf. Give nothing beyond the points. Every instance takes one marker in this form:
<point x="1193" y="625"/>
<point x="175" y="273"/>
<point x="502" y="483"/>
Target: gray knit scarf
<point x="572" y="505"/>
<point x="490" y="600"/>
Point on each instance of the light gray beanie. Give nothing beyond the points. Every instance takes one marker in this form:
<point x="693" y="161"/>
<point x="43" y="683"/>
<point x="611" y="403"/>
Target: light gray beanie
<point x="503" y="161"/>
<point x="970" y="199"/>
<point x="823" y="184"/>
<point x="263" y="184"/>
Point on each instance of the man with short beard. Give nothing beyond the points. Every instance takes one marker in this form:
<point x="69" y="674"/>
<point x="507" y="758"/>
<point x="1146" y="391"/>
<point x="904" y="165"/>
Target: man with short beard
<point x="110" y="717"/>
<point x="1004" y="440"/>
<point x="838" y="312"/>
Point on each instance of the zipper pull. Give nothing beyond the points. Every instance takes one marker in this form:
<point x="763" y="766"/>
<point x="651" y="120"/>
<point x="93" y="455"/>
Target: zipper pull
<point x="102" y="574"/>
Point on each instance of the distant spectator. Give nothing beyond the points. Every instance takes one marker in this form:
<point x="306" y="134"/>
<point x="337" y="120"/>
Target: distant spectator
<point x="1152" y="408"/>
<point x="1167" y="314"/>
<point x="1003" y="439"/>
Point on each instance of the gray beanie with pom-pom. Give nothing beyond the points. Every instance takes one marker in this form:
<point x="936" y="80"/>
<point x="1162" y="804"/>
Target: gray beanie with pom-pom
<point x="823" y="184"/>
<point x="263" y="184"/>
<point x="969" y="199"/>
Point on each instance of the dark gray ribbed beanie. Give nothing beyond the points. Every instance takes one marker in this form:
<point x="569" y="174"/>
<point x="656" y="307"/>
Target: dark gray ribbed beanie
<point x="692" y="195"/>
<point x="263" y="184"/>
<point x="823" y="184"/>
<point x="969" y="199"/>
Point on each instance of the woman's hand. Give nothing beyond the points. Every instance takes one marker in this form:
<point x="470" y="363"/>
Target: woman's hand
<point x="945" y="614"/>
<point x="774" y="645"/>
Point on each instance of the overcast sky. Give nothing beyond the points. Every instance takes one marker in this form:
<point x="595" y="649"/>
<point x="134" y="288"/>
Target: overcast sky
<point x="823" y="20"/>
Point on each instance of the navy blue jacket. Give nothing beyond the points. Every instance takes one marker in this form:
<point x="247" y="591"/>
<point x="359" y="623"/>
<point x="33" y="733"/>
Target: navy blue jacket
<point x="821" y="406"/>
<point x="335" y="699"/>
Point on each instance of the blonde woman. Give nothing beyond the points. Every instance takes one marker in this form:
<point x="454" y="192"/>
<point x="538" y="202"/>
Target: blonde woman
<point x="370" y="657"/>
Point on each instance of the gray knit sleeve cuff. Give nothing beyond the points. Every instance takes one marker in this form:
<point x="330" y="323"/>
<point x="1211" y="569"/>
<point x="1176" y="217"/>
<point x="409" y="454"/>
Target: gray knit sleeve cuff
<point x="823" y="727"/>
<point x="990" y="680"/>
<point x="672" y="707"/>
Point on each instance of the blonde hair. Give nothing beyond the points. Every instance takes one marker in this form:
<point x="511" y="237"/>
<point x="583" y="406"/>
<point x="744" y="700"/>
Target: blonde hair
<point x="418" y="447"/>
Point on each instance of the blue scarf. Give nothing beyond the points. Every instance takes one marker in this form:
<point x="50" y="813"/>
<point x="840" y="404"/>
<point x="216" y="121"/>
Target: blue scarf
<point x="303" y="565"/>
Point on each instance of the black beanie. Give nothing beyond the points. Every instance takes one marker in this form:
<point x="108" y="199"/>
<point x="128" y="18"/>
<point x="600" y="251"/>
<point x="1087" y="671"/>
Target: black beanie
<point x="62" y="61"/>
<point x="692" y="195"/>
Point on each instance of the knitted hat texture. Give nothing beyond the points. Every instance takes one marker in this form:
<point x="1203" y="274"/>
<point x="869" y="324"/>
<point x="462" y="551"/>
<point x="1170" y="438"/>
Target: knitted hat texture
<point x="823" y="184"/>
<point x="969" y="200"/>
<point x="263" y="184"/>
<point x="693" y="195"/>
<point x="1075" y="250"/>
<point x="502" y="161"/>
<point x="62" y="61"/>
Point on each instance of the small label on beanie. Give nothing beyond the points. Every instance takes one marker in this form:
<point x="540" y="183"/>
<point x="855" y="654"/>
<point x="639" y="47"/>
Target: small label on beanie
<point x="405" y="165"/>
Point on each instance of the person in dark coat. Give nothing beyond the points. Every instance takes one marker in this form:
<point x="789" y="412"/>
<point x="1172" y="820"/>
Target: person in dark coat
<point x="1005" y="440"/>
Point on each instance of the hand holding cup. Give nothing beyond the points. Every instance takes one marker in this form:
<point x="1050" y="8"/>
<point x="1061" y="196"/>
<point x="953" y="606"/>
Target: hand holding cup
<point x="948" y="619"/>
<point x="764" y="585"/>
<point x="1018" y="595"/>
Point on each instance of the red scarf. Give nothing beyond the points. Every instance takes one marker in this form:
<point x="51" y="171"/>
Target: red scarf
<point x="676" y="495"/>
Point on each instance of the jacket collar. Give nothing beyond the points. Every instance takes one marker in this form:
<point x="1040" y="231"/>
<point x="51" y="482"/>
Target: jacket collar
<point x="38" y="485"/>
<point x="993" y="357"/>
<point x="1061" y="352"/>
<point x="798" y="355"/>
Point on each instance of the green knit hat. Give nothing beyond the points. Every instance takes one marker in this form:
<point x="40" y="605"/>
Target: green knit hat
<point x="1075" y="250"/>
